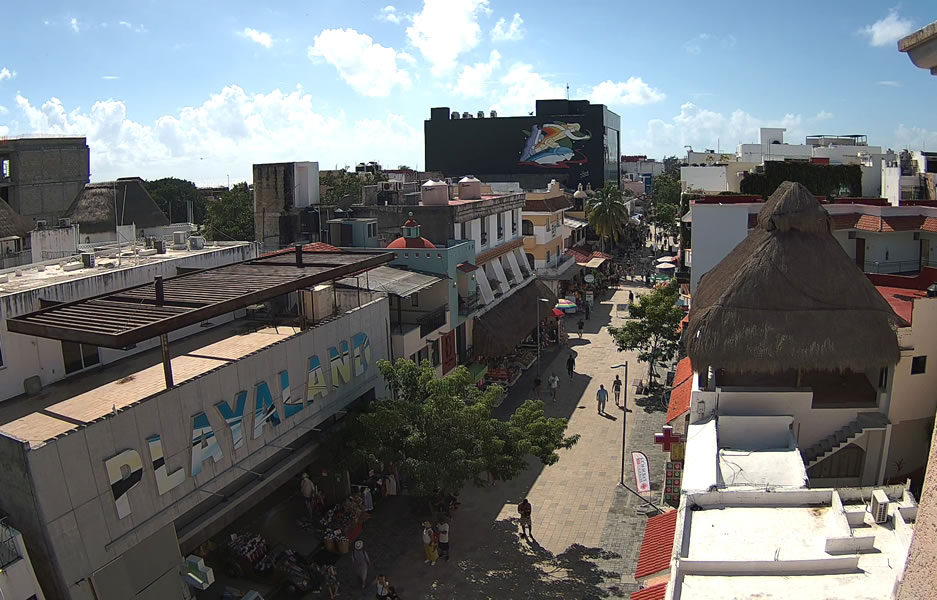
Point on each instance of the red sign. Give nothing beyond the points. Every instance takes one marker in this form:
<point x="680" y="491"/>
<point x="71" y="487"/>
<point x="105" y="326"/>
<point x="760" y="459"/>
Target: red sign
<point x="642" y="472"/>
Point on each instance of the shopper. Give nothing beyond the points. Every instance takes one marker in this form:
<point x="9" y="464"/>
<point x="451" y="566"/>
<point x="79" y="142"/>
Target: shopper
<point x="588" y="310"/>
<point x="331" y="582"/>
<point x="429" y="544"/>
<point x="537" y="384"/>
<point x="524" y="509"/>
<point x="361" y="561"/>
<point x="581" y="324"/>
<point x="308" y="491"/>
<point x="443" y="531"/>
<point x="601" y="397"/>
<point x="554" y="383"/>
<point x="383" y="588"/>
<point x="616" y="389"/>
<point x="630" y="298"/>
<point x="570" y="365"/>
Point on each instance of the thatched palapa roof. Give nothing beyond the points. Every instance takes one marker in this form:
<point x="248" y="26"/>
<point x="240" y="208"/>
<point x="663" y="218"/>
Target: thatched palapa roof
<point x="788" y="297"/>
<point x="93" y="208"/>
<point x="12" y="223"/>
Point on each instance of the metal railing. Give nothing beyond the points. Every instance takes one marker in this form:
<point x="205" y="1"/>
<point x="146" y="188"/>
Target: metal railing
<point x="897" y="266"/>
<point x="8" y="551"/>
<point x="468" y="304"/>
<point x="432" y="321"/>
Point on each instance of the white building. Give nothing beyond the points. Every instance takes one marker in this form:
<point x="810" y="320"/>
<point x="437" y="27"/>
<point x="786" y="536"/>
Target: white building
<point x="17" y="576"/>
<point x="909" y="176"/>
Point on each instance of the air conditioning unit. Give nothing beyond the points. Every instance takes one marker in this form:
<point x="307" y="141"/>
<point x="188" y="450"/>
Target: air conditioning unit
<point x="196" y="242"/>
<point x="87" y="260"/>
<point x="40" y="224"/>
<point x="65" y="222"/>
<point x="879" y="506"/>
<point x="178" y="240"/>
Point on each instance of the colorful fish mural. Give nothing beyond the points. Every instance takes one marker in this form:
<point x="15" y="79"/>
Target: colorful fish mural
<point x="551" y="145"/>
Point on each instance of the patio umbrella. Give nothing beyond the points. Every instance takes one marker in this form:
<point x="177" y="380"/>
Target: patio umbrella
<point x="557" y="312"/>
<point x="664" y="259"/>
<point x="664" y="266"/>
<point x="565" y="304"/>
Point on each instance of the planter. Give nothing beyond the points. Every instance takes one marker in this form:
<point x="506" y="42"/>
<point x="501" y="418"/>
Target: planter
<point x="330" y="544"/>
<point x="343" y="546"/>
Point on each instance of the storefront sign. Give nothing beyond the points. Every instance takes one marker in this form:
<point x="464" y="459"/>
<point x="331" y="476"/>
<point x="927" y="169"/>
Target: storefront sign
<point x="642" y="472"/>
<point x="125" y="470"/>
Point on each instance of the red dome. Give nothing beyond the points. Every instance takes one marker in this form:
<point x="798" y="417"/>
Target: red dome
<point x="405" y="242"/>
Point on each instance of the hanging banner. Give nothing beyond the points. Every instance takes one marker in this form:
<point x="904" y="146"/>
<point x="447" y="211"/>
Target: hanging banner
<point x="642" y="472"/>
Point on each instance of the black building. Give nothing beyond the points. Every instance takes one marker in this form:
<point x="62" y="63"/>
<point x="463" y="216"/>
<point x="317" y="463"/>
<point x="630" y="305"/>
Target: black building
<point x="571" y="141"/>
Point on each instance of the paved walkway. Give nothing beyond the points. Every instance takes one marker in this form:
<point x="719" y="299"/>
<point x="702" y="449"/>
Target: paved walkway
<point x="586" y="527"/>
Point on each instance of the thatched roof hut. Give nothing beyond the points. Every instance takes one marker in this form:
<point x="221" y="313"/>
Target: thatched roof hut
<point x="12" y="223"/>
<point x="93" y="208"/>
<point x="789" y="298"/>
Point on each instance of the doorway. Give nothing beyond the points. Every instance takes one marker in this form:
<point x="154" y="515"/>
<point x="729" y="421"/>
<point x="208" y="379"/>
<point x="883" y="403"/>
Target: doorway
<point x="925" y="253"/>
<point x="860" y="253"/>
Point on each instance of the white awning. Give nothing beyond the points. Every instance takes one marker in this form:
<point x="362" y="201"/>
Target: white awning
<point x="593" y="263"/>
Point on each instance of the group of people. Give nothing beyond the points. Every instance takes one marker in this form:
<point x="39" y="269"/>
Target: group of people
<point x="436" y="541"/>
<point x="601" y="396"/>
<point x="361" y="563"/>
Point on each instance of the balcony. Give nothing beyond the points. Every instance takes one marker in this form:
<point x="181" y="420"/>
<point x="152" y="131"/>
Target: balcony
<point x="557" y="265"/>
<point x="897" y="267"/>
<point x="432" y="321"/>
<point x="9" y="553"/>
<point x="468" y="304"/>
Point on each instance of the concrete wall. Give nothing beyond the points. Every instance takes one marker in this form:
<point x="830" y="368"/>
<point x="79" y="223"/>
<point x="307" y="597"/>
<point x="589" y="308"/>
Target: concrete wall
<point x="18" y="579"/>
<point x="47" y="174"/>
<point x="27" y="356"/>
<point x="891" y="188"/>
<point x="54" y="243"/>
<point x="78" y="510"/>
<point x="915" y="396"/>
<point x="717" y="229"/>
<point x="704" y="179"/>
<point x="890" y="247"/>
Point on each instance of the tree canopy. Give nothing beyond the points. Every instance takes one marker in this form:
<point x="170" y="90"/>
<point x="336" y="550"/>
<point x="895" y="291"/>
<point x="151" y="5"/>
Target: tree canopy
<point x="652" y="328"/>
<point x="441" y="429"/>
<point x="342" y="183"/>
<point x="231" y="217"/>
<point x="672" y="167"/>
<point x="607" y="213"/>
<point x="172" y="194"/>
<point x="665" y="203"/>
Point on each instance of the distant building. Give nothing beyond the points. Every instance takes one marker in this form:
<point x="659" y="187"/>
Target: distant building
<point x="546" y="235"/>
<point x="102" y="209"/>
<point x="909" y="176"/>
<point x="40" y="176"/>
<point x="571" y="141"/>
<point x="285" y="196"/>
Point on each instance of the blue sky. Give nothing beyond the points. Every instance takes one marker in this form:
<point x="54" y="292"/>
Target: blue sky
<point x="204" y="89"/>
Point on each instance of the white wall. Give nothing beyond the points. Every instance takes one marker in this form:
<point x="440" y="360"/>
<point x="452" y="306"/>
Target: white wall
<point x="915" y="396"/>
<point x="717" y="229"/>
<point x="306" y="179"/>
<point x="51" y="244"/>
<point x="18" y="579"/>
<point x="889" y="247"/>
<point x="704" y="179"/>
<point x="891" y="189"/>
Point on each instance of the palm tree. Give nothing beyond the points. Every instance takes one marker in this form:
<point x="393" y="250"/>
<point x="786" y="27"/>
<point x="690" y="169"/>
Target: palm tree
<point x="607" y="213"/>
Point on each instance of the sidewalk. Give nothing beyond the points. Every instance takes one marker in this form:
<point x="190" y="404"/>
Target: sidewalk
<point x="587" y="532"/>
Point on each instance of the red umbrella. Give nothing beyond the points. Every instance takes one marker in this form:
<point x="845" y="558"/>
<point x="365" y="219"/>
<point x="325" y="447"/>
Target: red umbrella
<point x="557" y="312"/>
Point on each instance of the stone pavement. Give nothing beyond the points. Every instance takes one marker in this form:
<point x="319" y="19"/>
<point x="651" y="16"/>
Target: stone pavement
<point x="586" y="527"/>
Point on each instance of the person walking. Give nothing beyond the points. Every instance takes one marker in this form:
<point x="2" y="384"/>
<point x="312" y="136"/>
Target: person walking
<point x="554" y="383"/>
<point x="537" y="384"/>
<point x="588" y="310"/>
<point x="524" y="509"/>
<point x="361" y="561"/>
<point x="331" y="582"/>
<point x="630" y="297"/>
<point x="581" y="324"/>
<point x="616" y="389"/>
<point x="429" y="544"/>
<point x="383" y="588"/>
<point x="443" y="531"/>
<point x="601" y="397"/>
<point x="570" y="365"/>
<point x="308" y="491"/>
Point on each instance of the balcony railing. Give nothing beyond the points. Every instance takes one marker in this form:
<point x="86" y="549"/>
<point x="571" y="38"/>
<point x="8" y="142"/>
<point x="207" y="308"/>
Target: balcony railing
<point x="8" y="550"/>
<point x="432" y="321"/>
<point x="468" y="304"/>
<point x="897" y="266"/>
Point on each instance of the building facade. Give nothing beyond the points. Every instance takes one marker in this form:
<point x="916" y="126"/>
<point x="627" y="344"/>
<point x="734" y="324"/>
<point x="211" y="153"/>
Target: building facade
<point x="571" y="141"/>
<point x="285" y="198"/>
<point x="547" y="234"/>
<point x="39" y="177"/>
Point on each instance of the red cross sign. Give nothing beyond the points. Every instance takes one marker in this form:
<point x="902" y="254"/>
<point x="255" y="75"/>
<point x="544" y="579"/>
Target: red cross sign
<point x="668" y="438"/>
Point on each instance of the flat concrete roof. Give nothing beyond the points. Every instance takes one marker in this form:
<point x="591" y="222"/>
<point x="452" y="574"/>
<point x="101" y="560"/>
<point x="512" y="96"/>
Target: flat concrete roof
<point x="759" y="468"/>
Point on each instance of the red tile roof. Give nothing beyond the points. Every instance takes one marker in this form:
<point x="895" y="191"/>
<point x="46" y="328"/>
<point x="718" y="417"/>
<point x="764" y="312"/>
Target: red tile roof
<point x="407" y="242"/>
<point x="655" y="592"/>
<point x="466" y="267"/>
<point x="584" y="256"/>
<point x="901" y="301"/>
<point x="313" y="247"/>
<point x="657" y="545"/>
<point x="911" y="223"/>
<point x="682" y="390"/>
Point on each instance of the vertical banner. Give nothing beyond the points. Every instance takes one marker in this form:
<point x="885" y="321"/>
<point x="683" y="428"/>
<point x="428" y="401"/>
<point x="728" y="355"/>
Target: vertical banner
<point x="642" y="472"/>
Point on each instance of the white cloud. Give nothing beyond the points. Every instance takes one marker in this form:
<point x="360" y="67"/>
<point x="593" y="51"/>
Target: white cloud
<point x="229" y="131"/>
<point x="445" y="29"/>
<point x="73" y="23"/>
<point x="524" y="87"/>
<point x="915" y="138"/>
<point x="624" y="93"/>
<point x="3" y="110"/>
<point x="131" y="27"/>
<point x="369" y="68"/>
<point x="504" y="32"/>
<point x="473" y="81"/>
<point x="889" y="83"/>
<point x="407" y="58"/>
<point x="888" y="29"/>
<point x="389" y="14"/>
<point x="694" y="45"/>
<point x="110" y="77"/>
<point x="259" y="37"/>
<point x="702" y="128"/>
<point x="698" y="43"/>
<point x="5" y="73"/>
<point x="823" y="116"/>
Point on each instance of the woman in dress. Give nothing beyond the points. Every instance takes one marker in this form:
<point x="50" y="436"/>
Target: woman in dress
<point x="361" y="561"/>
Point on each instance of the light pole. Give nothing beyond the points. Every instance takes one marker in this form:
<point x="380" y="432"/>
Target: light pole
<point x="624" y="418"/>
<point x="539" y="300"/>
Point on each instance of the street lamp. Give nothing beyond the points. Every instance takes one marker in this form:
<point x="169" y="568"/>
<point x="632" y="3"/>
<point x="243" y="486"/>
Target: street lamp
<point x="624" y="417"/>
<point x="539" y="300"/>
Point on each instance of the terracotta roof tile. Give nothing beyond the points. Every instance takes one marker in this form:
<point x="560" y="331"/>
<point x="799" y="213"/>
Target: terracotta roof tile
<point x="907" y="223"/>
<point x="847" y="221"/>
<point x="312" y="247"/>
<point x="930" y="224"/>
<point x="547" y="205"/>
<point x="869" y="223"/>
<point x="682" y="390"/>
<point x="655" y="592"/>
<point x="657" y="545"/>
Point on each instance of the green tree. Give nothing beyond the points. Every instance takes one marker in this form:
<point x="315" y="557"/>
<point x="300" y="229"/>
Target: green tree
<point x="652" y="329"/>
<point x="672" y="167"/>
<point x="172" y="195"/>
<point x="442" y="431"/>
<point x="607" y="213"/>
<point x="342" y="183"/>
<point x="231" y="217"/>
<point x="665" y="203"/>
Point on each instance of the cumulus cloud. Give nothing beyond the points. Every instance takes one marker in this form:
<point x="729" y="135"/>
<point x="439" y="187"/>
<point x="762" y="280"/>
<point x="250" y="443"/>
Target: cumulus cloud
<point x="446" y="29"/>
<point x="75" y="25"/>
<point x="888" y="29"/>
<point x="369" y="68"/>
<point x="632" y="92"/>
<point x="823" y="116"/>
<point x="5" y="73"/>
<point x="230" y="130"/>
<point x="474" y="79"/>
<point x="389" y="14"/>
<point x="915" y="138"/>
<point x="110" y="77"/>
<point x="508" y="32"/>
<point x="130" y="26"/>
<point x="523" y="87"/>
<point x="258" y="37"/>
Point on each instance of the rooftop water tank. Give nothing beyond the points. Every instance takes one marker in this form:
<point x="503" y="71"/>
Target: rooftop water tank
<point x="435" y="192"/>
<point x="470" y="188"/>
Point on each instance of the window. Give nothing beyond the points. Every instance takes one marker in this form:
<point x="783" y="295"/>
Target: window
<point x="500" y="225"/>
<point x="434" y="345"/>
<point x="372" y="229"/>
<point x="79" y="356"/>
<point x="415" y="299"/>
<point x="527" y="227"/>
<point x="464" y="235"/>
<point x="548" y="257"/>
<point x="484" y="221"/>
<point x="918" y="365"/>
<point x="513" y="224"/>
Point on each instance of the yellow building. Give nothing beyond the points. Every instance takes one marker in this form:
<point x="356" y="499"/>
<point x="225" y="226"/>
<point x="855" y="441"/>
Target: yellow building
<point x="545" y="234"/>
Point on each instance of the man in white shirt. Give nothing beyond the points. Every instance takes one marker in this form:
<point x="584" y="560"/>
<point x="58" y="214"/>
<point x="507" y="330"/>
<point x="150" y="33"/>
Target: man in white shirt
<point x="554" y="382"/>
<point x="308" y="490"/>
<point x="443" y="529"/>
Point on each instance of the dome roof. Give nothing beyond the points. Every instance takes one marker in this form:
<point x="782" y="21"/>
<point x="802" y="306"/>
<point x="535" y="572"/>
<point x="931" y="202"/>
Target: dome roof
<point x="411" y="242"/>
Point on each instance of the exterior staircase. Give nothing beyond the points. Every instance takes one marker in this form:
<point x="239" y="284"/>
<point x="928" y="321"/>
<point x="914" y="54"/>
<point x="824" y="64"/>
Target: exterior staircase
<point x="867" y="421"/>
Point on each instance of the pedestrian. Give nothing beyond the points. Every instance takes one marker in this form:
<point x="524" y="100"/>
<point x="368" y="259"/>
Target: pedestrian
<point x="570" y="365"/>
<point x="331" y="581"/>
<point x="537" y="384"/>
<point x="308" y="491"/>
<point x="524" y="509"/>
<point x="429" y="544"/>
<point x="630" y="297"/>
<point x="443" y="532"/>
<point x="601" y="397"/>
<point x="616" y="389"/>
<point x="383" y="588"/>
<point x="588" y="310"/>
<point x="554" y="382"/>
<point x="361" y="561"/>
<point x="581" y="324"/>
